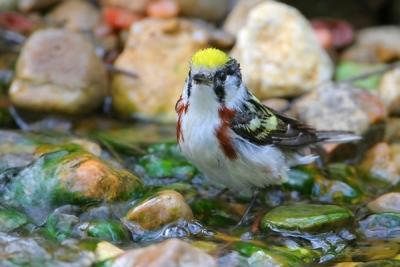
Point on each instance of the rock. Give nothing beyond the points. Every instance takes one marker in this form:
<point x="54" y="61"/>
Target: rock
<point x="163" y="9"/>
<point x="30" y="5"/>
<point x="383" y="162"/>
<point x="300" y="179"/>
<point x="106" y="250"/>
<point x="138" y="6"/>
<point x="155" y="46"/>
<point x="75" y="15"/>
<point x="171" y="253"/>
<point x="381" y="226"/>
<point x="389" y="91"/>
<point x="340" y="107"/>
<point x="67" y="177"/>
<point x="58" y="71"/>
<point x="8" y="5"/>
<point x="306" y="218"/>
<point x="333" y="33"/>
<point x="214" y="213"/>
<point x="347" y="70"/>
<point x="165" y="207"/>
<point x="392" y="131"/>
<point x="119" y="18"/>
<point x="204" y="9"/>
<point x="60" y="223"/>
<point x="11" y="220"/>
<point x="374" y="45"/>
<point x="238" y="16"/>
<point x="389" y="202"/>
<point x="278" y="104"/>
<point x="110" y="230"/>
<point x="297" y="64"/>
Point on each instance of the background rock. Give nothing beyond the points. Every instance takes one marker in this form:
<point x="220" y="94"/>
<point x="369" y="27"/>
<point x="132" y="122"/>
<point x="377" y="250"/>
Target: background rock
<point x="205" y="9"/>
<point x="389" y="202"/>
<point x="29" y="5"/>
<point x="389" y="91"/>
<point x="136" y="5"/>
<point x="297" y="62"/>
<point x="58" y="71"/>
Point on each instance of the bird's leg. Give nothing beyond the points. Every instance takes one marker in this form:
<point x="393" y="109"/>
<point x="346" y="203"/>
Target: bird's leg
<point x="248" y="208"/>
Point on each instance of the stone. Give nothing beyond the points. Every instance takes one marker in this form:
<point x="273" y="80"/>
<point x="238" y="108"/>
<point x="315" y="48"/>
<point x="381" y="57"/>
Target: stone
<point x="305" y="218"/>
<point x="381" y="226"/>
<point x="110" y="230"/>
<point x="383" y="162"/>
<point x="135" y="6"/>
<point x="389" y="91"/>
<point x="347" y="70"/>
<point x="279" y="53"/>
<point x="106" y="250"/>
<point x="209" y="10"/>
<point x="389" y="202"/>
<point x="340" y="107"/>
<point x="163" y="9"/>
<point x="392" y="131"/>
<point x="169" y="253"/>
<point x="58" y="71"/>
<point x="165" y="207"/>
<point x="375" y="45"/>
<point x="75" y="15"/>
<point x="30" y="5"/>
<point x="155" y="46"/>
<point x="11" y="220"/>
<point x="238" y="16"/>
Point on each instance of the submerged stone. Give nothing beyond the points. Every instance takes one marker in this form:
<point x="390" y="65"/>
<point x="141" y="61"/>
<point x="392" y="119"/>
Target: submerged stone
<point x="381" y="226"/>
<point x="305" y="218"/>
<point x="11" y="220"/>
<point x="110" y="230"/>
<point x="213" y="213"/>
<point x="164" y="207"/>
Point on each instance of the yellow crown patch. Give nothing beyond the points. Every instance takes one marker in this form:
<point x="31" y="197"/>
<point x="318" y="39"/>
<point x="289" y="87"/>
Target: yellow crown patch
<point x="209" y="58"/>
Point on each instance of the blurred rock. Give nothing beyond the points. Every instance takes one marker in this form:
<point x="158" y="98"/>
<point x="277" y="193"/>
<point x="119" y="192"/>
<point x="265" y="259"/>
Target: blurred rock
<point x="383" y="161"/>
<point x="165" y="207"/>
<point x="389" y="202"/>
<point x="171" y="253"/>
<point x="209" y="10"/>
<point x="346" y="70"/>
<point x="30" y="5"/>
<point x="297" y="63"/>
<point x="119" y="18"/>
<point x="381" y="226"/>
<point x="58" y="71"/>
<point x="11" y="220"/>
<point x="238" y="16"/>
<point x="8" y="5"/>
<point x="163" y="9"/>
<point x="389" y="91"/>
<point x="106" y="250"/>
<point x="374" y="45"/>
<point x="279" y="104"/>
<point x="110" y="230"/>
<point x="340" y="107"/>
<point x="136" y="5"/>
<point x="333" y="33"/>
<point x="75" y="15"/>
<point x="155" y="46"/>
<point x="392" y="131"/>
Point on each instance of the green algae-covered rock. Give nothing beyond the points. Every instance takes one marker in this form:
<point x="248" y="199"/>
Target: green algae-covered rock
<point x="60" y="225"/>
<point x="213" y="213"/>
<point x="11" y="220"/>
<point x="301" y="179"/>
<point x="334" y="191"/>
<point x="381" y="226"/>
<point x="110" y="230"/>
<point x="305" y="218"/>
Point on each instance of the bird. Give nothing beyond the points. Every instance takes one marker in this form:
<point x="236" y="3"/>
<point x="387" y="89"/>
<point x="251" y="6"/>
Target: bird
<point x="234" y="139"/>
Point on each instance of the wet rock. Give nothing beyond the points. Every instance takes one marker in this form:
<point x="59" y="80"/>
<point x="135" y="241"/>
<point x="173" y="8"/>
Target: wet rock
<point x="374" y="45"/>
<point x="213" y="213"/>
<point x="389" y="91"/>
<point x="381" y="226"/>
<point x="75" y="15"/>
<point x="171" y="253"/>
<point x="165" y="207"/>
<point x="301" y="179"/>
<point x="340" y="107"/>
<point x="110" y="230"/>
<point x="383" y="162"/>
<point x="334" y="191"/>
<point x="58" y="71"/>
<point x="238" y="16"/>
<point x="389" y="202"/>
<point x="67" y="177"/>
<point x="298" y="63"/>
<point x="106" y="250"/>
<point x="204" y="9"/>
<point x="11" y="220"/>
<point x="61" y="222"/>
<point x="30" y="5"/>
<point x="155" y="46"/>
<point x="347" y="70"/>
<point x="305" y="218"/>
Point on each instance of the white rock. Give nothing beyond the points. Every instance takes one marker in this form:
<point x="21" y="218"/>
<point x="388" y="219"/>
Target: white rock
<point x="389" y="90"/>
<point x="279" y="52"/>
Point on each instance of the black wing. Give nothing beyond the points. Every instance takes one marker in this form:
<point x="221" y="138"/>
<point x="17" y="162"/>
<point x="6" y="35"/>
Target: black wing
<point x="263" y="126"/>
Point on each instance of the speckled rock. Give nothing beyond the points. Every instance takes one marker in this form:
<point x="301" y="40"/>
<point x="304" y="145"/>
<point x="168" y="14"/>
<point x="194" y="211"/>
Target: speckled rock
<point x="374" y="45"/>
<point x="159" y="52"/>
<point x="389" y="202"/>
<point x="279" y="52"/>
<point x="58" y="71"/>
<point x="389" y="91"/>
<point x="165" y="207"/>
<point x="171" y="253"/>
<point x="383" y="161"/>
<point x="76" y="15"/>
<point x="238" y="16"/>
<point x="205" y="9"/>
<point x="340" y="107"/>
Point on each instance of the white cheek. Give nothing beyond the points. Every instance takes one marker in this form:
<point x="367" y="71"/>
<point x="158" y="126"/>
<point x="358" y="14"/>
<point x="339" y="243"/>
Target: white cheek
<point x="234" y="94"/>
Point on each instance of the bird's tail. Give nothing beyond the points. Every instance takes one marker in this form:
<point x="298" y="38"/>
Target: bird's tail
<point x="337" y="136"/>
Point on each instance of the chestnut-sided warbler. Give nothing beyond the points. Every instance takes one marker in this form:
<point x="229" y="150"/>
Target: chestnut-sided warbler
<point x="230" y="136"/>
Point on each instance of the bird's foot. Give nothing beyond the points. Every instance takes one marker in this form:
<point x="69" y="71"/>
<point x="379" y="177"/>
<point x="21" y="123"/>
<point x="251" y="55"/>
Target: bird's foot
<point x="249" y="208"/>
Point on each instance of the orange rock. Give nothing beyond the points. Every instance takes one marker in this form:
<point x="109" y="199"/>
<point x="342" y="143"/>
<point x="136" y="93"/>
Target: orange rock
<point x="119" y="18"/>
<point x="163" y="9"/>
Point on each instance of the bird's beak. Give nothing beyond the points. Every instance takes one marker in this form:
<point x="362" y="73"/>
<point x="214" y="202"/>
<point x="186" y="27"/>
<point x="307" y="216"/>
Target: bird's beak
<point x="201" y="79"/>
